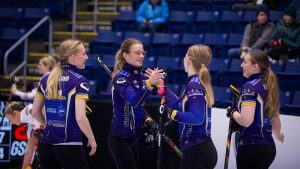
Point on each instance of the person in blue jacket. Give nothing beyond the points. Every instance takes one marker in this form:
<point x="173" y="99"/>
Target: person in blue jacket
<point x="192" y="111"/>
<point x="64" y="94"/>
<point x="152" y="16"/>
<point x="130" y="88"/>
<point x="257" y="113"/>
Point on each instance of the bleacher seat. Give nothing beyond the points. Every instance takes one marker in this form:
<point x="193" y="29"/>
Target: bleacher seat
<point x="234" y="41"/>
<point x="289" y="78"/>
<point x="106" y="93"/>
<point x="12" y="33"/>
<point x="109" y="60"/>
<point x="276" y="67"/>
<point x="249" y="16"/>
<point x="230" y="22"/>
<point x="149" y="62"/>
<point x="180" y="21"/>
<point x="285" y="98"/>
<point x="187" y="40"/>
<point x="195" y="5"/>
<point x="170" y="64"/>
<point x="216" y="68"/>
<point x="58" y="8"/>
<point x="234" y="75"/>
<point x="145" y="38"/>
<point x="107" y="42"/>
<point x="125" y="21"/>
<point x="275" y="15"/>
<point x="216" y="42"/>
<point x="36" y="13"/>
<point x="222" y="96"/>
<point x="220" y="5"/>
<point x="175" y="5"/>
<point x="162" y="44"/>
<point x="10" y="16"/>
<point x="294" y="107"/>
<point x="92" y="88"/>
<point x="206" y="21"/>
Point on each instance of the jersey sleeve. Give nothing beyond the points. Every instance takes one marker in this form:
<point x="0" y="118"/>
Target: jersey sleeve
<point x="135" y="98"/>
<point x="41" y="89"/>
<point x="195" y="94"/>
<point x="82" y="89"/>
<point x="248" y="95"/>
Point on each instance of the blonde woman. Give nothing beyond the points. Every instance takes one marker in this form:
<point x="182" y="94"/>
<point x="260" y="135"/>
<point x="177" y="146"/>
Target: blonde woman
<point x="64" y="94"/>
<point x="45" y="66"/>
<point x="192" y="111"/>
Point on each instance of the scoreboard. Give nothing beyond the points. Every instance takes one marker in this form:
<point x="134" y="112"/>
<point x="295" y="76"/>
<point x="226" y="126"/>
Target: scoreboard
<point x="13" y="139"/>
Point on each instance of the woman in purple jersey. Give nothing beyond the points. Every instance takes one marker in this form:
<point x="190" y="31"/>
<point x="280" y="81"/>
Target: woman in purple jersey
<point x="130" y="90"/>
<point x="64" y="94"/>
<point x="192" y="111"/>
<point x="257" y="113"/>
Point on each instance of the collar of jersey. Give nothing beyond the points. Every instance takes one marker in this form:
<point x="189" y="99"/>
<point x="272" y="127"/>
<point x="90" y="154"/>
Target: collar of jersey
<point x="190" y="77"/>
<point x="253" y="76"/>
<point x="131" y="69"/>
<point x="68" y="66"/>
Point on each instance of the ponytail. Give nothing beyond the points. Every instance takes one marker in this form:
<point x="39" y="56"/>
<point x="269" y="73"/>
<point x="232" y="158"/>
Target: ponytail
<point x="205" y="79"/>
<point x="53" y="82"/>
<point x="119" y="62"/>
<point x="270" y="80"/>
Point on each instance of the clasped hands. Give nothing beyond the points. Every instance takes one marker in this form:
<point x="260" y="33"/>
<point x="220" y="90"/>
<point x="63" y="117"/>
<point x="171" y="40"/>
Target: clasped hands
<point x="155" y="76"/>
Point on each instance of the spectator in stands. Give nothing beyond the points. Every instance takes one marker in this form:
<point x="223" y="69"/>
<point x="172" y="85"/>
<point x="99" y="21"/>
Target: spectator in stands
<point x="285" y="40"/>
<point x="64" y="94"/>
<point x="45" y="65"/>
<point x="152" y="16"/>
<point x="192" y="111"/>
<point x="257" y="113"/>
<point x="130" y="90"/>
<point x="18" y="114"/>
<point x="256" y="34"/>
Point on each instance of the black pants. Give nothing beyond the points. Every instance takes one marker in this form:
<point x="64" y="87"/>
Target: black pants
<point x="200" y="156"/>
<point x="124" y="151"/>
<point x="276" y="52"/>
<point x="62" y="156"/>
<point x="255" y="156"/>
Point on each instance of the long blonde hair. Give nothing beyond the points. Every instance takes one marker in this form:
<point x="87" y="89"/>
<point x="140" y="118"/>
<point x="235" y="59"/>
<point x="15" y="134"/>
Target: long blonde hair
<point x="269" y="79"/>
<point x="65" y="49"/>
<point x="201" y="56"/>
<point x="48" y="61"/>
<point x="125" y="47"/>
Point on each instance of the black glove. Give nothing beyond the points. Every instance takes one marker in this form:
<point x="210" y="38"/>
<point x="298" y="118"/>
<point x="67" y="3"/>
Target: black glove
<point x="230" y="111"/>
<point x="149" y="135"/>
<point x="234" y="126"/>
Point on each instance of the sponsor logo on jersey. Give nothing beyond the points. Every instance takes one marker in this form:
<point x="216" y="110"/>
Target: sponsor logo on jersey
<point x="136" y="84"/>
<point x="84" y="86"/>
<point x="64" y="78"/>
